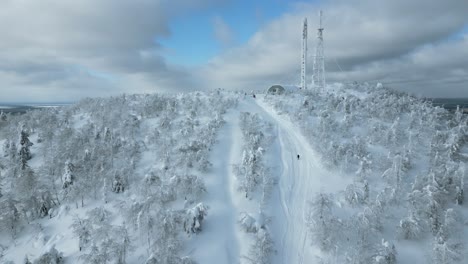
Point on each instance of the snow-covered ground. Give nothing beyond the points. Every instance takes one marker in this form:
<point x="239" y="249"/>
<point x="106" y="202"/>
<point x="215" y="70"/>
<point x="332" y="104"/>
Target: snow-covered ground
<point x="173" y="154"/>
<point x="300" y="180"/>
<point x="221" y="235"/>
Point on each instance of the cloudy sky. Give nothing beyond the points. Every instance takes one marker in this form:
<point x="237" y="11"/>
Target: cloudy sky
<point x="64" y="50"/>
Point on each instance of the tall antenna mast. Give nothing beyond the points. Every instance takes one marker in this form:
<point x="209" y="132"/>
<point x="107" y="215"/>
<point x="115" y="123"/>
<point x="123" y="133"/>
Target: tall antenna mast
<point x="304" y="56"/>
<point x="319" y="59"/>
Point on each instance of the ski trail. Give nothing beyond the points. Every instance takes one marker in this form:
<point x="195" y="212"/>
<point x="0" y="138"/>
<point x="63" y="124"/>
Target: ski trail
<point x="219" y="241"/>
<point x="222" y="241"/>
<point x="299" y="181"/>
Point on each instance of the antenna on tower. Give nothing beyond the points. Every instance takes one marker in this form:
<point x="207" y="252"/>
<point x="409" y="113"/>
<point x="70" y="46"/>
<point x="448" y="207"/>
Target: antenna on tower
<point x="304" y="56"/>
<point x="319" y="59"/>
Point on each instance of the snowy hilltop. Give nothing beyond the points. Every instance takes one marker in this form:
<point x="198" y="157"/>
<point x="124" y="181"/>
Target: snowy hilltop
<point x="347" y="174"/>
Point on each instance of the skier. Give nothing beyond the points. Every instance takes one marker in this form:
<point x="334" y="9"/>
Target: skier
<point x="298" y="157"/>
<point x="253" y="95"/>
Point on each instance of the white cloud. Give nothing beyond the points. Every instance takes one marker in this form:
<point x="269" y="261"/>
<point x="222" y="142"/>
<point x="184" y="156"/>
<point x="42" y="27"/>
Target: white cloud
<point x="222" y="32"/>
<point x="65" y="50"/>
<point x="391" y="41"/>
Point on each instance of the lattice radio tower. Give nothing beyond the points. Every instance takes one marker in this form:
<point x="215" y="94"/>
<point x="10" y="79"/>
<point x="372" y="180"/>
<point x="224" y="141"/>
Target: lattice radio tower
<point x="304" y="56"/>
<point x="318" y="77"/>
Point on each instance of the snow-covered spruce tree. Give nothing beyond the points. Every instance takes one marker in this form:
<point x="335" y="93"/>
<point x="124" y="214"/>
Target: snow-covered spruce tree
<point x="51" y="257"/>
<point x="321" y="222"/>
<point x="68" y="177"/>
<point x="95" y="256"/>
<point x="191" y="187"/>
<point x="460" y="183"/>
<point x="433" y="216"/>
<point x="28" y="193"/>
<point x="365" y="168"/>
<point x="248" y="223"/>
<point x="167" y="244"/>
<point x="118" y="185"/>
<point x="361" y="237"/>
<point x="394" y="175"/>
<point x="410" y="228"/>
<point x="183" y="260"/>
<point x="26" y="260"/>
<point x="251" y="171"/>
<point x="108" y="243"/>
<point x="123" y="244"/>
<point x="386" y="253"/>
<point x="76" y="184"/>
<point x="82" y="228"/>
<point x="355" y="195"/>
<point x="3" y="116"/>
<point x="24" y="152"/>
<point x="8" y="149"/>
<point x="447" y="245"/>
<point x="459" y="196"/>
<point x="194" y="218"/>
<point x="262" y="249"/>
<point x="10" y="215"/>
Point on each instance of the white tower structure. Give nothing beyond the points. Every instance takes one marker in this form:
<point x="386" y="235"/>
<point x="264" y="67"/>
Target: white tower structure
<point x="304" y="56"/>
<point x="319" y="59"/>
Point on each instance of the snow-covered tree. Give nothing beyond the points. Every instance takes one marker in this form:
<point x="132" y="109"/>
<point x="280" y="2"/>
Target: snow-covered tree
<point x="447" y="245"/>
<point x="9" y="215"/>
<point x="248" y="223"/>
<point x="262" y="249"/>
<point x="460" y="185"/>
<point x="68" y="177"/>
<point x="321" y="222"/>
<point x="51" y="257"/>
<point x="28" y="196"/>
<point x="26" y="260"/>
<point x="189" y="186"/>
<point x="122" y="244"/>
<point x="395" y="174"/>
<point x="24" y="152"/>
<point x="82" y="228"/>
<point x="95" y="256"/>
<point x="386" y="253"/>
<point x="194" y="218"/>
<point x="355" y="195"/>
<point x="118" y="185"/>
<point x="3" y="116"/>
<point x="410" y="228"/>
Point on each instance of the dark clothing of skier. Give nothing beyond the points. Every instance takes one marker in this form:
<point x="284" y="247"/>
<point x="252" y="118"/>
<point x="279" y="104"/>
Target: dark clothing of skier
<point x="253" y="95"/>
<point x="298" y="157"/>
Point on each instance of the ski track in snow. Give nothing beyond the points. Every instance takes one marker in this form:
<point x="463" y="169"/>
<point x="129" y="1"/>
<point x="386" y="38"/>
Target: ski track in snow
<point x="299" y="180"/>
<point x="219" y="242"/>
<point x="293" y="183"/>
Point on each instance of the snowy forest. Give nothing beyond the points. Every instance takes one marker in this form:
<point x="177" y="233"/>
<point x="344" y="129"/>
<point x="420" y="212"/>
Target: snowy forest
<point x="354" y="173"/>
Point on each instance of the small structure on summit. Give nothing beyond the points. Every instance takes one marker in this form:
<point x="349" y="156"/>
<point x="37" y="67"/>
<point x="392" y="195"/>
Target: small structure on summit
<point x="276" y="89"/>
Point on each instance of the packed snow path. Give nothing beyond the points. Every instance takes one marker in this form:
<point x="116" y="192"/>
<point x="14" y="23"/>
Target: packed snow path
<point x="299" y="180"/>
<point x="218" y="243"/>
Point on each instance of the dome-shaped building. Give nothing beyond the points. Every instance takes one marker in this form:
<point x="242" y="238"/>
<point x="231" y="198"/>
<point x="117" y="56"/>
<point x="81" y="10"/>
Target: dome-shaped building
<point x="276" y="89"/>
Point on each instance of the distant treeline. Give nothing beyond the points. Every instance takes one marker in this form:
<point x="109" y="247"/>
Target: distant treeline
<point x="17" y="109"/>
<point x="21" y="109"/>
<point x="450" y="103"/>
